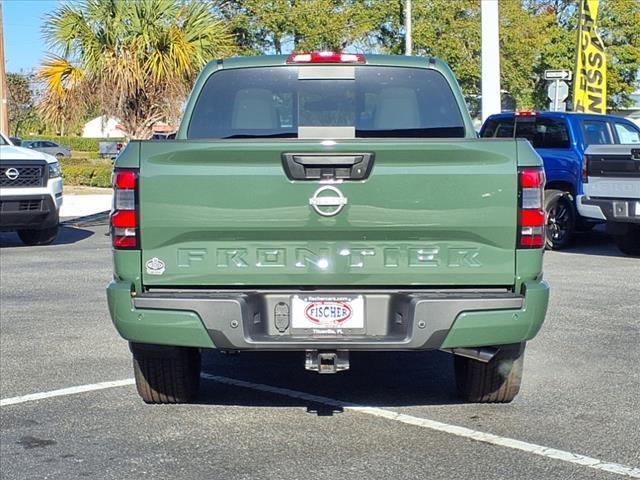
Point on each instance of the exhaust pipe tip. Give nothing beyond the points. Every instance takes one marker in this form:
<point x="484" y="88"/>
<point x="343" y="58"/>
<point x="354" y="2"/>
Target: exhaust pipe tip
<point x="482" y="354"/>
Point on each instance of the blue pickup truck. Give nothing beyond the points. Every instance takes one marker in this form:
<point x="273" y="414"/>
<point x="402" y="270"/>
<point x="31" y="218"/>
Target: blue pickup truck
<point x="561" y="139"/>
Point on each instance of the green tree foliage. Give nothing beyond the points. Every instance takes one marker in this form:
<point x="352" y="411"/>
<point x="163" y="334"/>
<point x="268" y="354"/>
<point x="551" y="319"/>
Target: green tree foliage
<point x="618" y="24"/>
<point x="524" y="36"/>
<point x="280" y="26"/>
<point x="557" y="44"/>
<point x="450" y="30"/>
<point x="535" y="35"/>
<point x="135" y="59"/>
<point x="620" y="27"/>
<point x="22" y="111"/>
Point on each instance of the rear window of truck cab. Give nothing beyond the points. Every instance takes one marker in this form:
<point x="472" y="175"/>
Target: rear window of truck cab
<point x="542" y="132"/>
<point x="357" y="102"/>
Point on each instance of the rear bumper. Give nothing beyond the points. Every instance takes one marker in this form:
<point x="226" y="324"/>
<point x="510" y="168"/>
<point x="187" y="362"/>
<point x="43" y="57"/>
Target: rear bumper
<point x="394" y="320"/>
<point x="625" y="210"/>
<point x="29" y="211"/>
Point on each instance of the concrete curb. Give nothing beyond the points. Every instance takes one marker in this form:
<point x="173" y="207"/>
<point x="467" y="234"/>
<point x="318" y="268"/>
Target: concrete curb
<point x="76" y="206"/>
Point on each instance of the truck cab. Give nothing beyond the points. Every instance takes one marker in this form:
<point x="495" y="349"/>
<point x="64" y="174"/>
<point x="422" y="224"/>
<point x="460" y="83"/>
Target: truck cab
<point x="561" y="139"/>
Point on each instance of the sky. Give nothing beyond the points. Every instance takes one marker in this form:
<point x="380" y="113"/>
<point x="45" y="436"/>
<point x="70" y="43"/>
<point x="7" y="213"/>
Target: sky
<point x="23" y="44"/>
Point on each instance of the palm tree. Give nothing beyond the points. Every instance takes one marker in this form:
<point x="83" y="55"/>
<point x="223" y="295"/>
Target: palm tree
<point x="133" y="59"/>
<point x="62" y="101"/>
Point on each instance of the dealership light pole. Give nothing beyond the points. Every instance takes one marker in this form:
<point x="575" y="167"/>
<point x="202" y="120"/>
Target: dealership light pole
<point x="490" y="58"/>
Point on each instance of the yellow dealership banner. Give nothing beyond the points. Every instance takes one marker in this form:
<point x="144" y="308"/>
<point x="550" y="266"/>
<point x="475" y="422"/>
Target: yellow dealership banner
<point x="590" y="81"/>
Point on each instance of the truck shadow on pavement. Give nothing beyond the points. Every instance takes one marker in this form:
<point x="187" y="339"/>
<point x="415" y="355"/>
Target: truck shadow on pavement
<point x="66" y="235"/>
<point x="381" y="379"/>
<point x="594" y="242"/>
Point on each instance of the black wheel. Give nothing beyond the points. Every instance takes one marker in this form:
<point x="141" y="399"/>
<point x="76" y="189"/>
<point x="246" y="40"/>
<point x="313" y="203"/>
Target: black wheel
<point x="59" y="156"/>
<point x="497" y="381"/>
<point x="629" y="243"/>
<point x="561" y="218"/>
<point x="38" y="237"/>
<point x="166" y="374"/>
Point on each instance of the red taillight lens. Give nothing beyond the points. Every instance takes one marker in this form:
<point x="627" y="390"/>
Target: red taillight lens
<point x="585" y="174"/>
<point x="532" y="218"/>
<point x="122" y="241"/>
<point x="531" y="178"/>
<point x="124" y="217"/>
<point x="533" y="241"/>
<point x="326" y="57"/>
<point x="125" y="179"/>
<point x="531" y="215"/>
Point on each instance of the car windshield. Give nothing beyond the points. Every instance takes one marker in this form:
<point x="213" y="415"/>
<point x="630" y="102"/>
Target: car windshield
<point x="358" y="102"/>
<point x="3" y="141"/>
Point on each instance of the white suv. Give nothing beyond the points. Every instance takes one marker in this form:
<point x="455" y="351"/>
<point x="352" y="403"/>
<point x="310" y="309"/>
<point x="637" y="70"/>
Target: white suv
<point x="30" y="193"/>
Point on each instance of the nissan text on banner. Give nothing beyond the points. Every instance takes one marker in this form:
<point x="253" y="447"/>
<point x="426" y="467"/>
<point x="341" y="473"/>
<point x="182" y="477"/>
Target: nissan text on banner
<point x="590" y="83"/>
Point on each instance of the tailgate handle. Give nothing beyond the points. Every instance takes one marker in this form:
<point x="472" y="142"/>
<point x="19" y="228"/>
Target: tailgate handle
<point x="326" y="161"/>
<point x="327" y="166"/>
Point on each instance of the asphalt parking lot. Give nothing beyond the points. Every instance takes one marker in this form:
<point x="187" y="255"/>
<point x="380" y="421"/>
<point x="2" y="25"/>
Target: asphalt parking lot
<point x="263" y="416"/>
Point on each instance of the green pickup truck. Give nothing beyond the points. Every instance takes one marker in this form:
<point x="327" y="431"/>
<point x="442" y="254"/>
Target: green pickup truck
<point x="328" y="203"/>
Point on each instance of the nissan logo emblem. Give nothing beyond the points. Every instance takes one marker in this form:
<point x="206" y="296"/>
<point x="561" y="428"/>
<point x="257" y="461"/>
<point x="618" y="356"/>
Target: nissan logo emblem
<point x="328" y="201"/>
<point x="12" y="173"/>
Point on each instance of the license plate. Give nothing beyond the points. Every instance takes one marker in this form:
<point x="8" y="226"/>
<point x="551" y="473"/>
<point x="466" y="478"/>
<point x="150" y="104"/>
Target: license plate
<point x="325" y="312"/>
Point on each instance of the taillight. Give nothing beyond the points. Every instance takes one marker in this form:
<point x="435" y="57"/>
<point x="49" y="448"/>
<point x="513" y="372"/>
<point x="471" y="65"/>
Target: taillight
<point x="531" y="215"/>
<point x="326" y="57"/>
<point x="125" y="232"/>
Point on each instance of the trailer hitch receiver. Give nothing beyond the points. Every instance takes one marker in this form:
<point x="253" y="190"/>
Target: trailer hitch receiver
<point x="327" y="361"/>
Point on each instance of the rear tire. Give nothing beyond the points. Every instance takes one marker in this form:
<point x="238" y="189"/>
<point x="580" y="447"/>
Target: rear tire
<point x="629" y="243"/>
<point x="166" y="374"/>
<point x="38" y="237"/>
<point x="497" y="381"/>
<point x="561" y="219"/>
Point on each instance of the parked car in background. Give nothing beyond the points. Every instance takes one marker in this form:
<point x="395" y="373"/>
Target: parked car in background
<point x="110" y="149"/>
<point x="16" y="141"/>
<point x="561" y="139"/>
<point x="30" y="193"/>
<point x="47" y="146"/>
<point x="611" y="184"/>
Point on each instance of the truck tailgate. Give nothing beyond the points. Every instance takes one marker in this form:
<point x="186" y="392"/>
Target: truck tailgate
<point x="613" y="171"/>
<point x="431" y="212"/>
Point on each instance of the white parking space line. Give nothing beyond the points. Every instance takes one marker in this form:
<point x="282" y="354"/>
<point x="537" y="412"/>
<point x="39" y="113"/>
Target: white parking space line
<point x="66" y="391"/>
<point x="442" y="427"/>
<point x="468" y="433"/>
